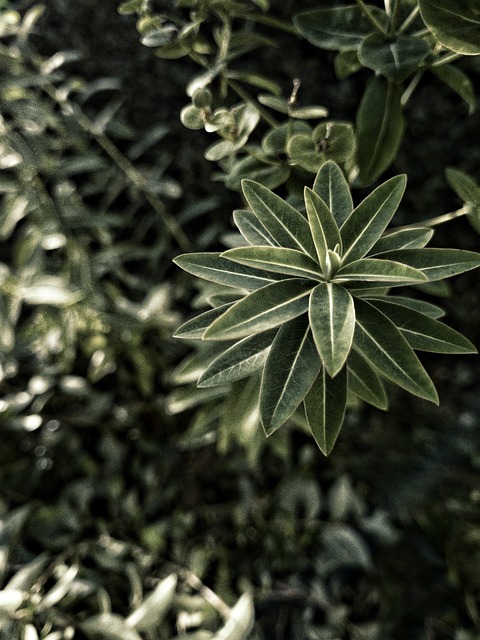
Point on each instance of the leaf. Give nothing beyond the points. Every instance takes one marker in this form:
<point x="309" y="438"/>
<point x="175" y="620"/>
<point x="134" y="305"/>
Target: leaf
<point x="332" y="319"/>
<point x="395" y="59"/>
<point x="379" y="129"/>
<point x="382" y="272"/>
<point x="338" y="28"/>
<point x="262" y="310"/>
<point x="212" y="267"/>
<point x="270" y="175"/>
<point x="331" y="186"/>
<point x="239" y="361"/>
<point x="325" y="407"/>
<point x="459" y="82"/>
<point x="364" y="382"/>
<point x="413" y="238"/>
<point x="194" y="328"/>
<point x="49" y="290"/>
<point x="437" y="264"/>
<point x="184" y="398"/>
<point x="308" y="112"/>
<point x="324" y="229"/>
<point x="346" y="63"/>
<point x="276" y="259"/>
<point x="383" y="346"/>
<point x="274" y="142"/>
<point x="108" y="626"/>
<point x="240" y="621"/>
<point x="362" y="229"/>
<point x="290" y="370"/>
<point x="284" y="223"/>
<point x="464" y="185"/>
<point x="454" y="23"/>
<point x="335" y="140"/>
<point x="428" y="309"/>
<point x="252" y="229"/>
<point x="150" y="613"/>
<point x="423" y="333"/>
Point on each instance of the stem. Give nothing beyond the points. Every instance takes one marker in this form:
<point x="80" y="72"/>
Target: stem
<point x="370" y="17"/>
<point x="388" y="7"/>
<point x="276" y="23"/>
<point x="409" y="19"/>
<point x="407" y="94"/>
<point x="243" y="93"/>
<point x="448" y="57"/>
<point x="394" y="18"/>
<point x="207" y="594"/>
<point x="433" y="222"/>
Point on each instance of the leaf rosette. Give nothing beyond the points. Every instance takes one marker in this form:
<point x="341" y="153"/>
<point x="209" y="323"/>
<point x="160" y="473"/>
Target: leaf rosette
<point x="315" y="313"/>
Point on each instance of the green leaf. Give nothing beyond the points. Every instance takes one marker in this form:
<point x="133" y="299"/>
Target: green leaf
<point x="346" y="63"/>
<point x="338" y="28"/>
<point x="270" y="175"/>
<point x="290" y="370"/>
<point x="252" y="229"/>
<point x="212" y="267"/>
<point x="395" y="59"/>
<point x="362" y="229"/>
<point x="454" y="23"/>
<point x="437" y="264"/>
<point x="379" y="129"/>
<point x="414" y="238"/>
<point x="423" y="333"/>
<point x="284" y="223"/>
<point x="184" y="398"/>
<point x="194" y="328"/>
<point x="364" y="382"/>
<point x="459" y="82"/>
<point x="383" y="346"/>
<point x="274" y="143"/>
<point x="428" y="309"/>
<point x="325" y="407"/>
<point x="308" y="112"/>
<point x="262" y="310"/>
<point x="131" y="6"/>
<point x="239" y="361"/>
<point x="464" y="185"/>
<point x="108" y="626"/>
<point x="332" y="319"/>
<point x="335" y="140"/>
<point x="276" y="259"/>
<point x="150" y="613"/>
<point x="323" y="227"/>
<point x="382" y="272"/>
<point x="331" y="186"/>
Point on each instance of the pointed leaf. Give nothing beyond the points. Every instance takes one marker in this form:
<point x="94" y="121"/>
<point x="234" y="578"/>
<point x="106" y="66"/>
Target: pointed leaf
<point x="212" y="267"/>
<point x="325" y="407"/>
<point x="150" y="613"/>
<point x="454" y="23"/>
<point x="464" y="185"/>
<point x="324" y="229"/>
<point x="276" y="259"/>
<point x="262" y="310"/>
<point x="338" y="28"/>
<point x="383" y="346"/>
<point x="423" y="333"/>
<point x="413" y="238"/>
<point x="108" y="626"/>
<point x="379" y="128"/>
<point x="284" y="223"/>
<point x="428" y="309"/>
<point x="194" y="328"/>
<point x="382" y="272"/>
<point x="364" y="382"/>
<point x="362" y="229"/>
<point x="291" y="368"/>
<point x="437" y="264"/>
<point x="459" y="82"/>
<point x="239" y="361"/>
<point x="252" y="229"/>
<point x="332" y="319"/>
<point x="396" y="58"/>
<point x="331" y="186"/>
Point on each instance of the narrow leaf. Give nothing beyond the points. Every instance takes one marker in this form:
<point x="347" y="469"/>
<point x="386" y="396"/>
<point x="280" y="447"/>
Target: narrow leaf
<point x="194" y="328"/>
<point x="150" y="613"/>
<point x="464" y="185"/>
<point x="383" y="346"/>
<point x="239" y="361"/>
<point x="459" y="82"/>
<point x="428" y="309"/>
<point x="262" y="310"/>
<point x="364" y="382"/>
<point x="276" y="259"/>
<point x="325" y="407"/>
<point x="331" y="186"/>
<point x="437" y="264"/>
<point x="332" y="319"/>
<point x="362" y="229"/>
<point x="252" y="229"/>
<point x="212" y="267"/>
<point x="423" y="333"/>
<point x="379" y="128"/>
<point x="454" y="23"/>
<point x="413" y="238"/>
<point x="324" y="229"/>
<point x="291" y="368"/>
<point x="284" y="223"/>
<point x="383" y="272"/>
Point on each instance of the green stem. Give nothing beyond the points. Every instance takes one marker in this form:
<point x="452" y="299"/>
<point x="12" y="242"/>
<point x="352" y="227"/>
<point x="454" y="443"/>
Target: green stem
<point x="407" y="94"/>
<point x="409" y="19"/>
<point x="434" y="222"/>
<point x="370" y="17"/>
<point x="394" y="19"/>
<point x="447" y="58"/>
<point x="276" y="23"/>
<point x="243" y="93"/>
